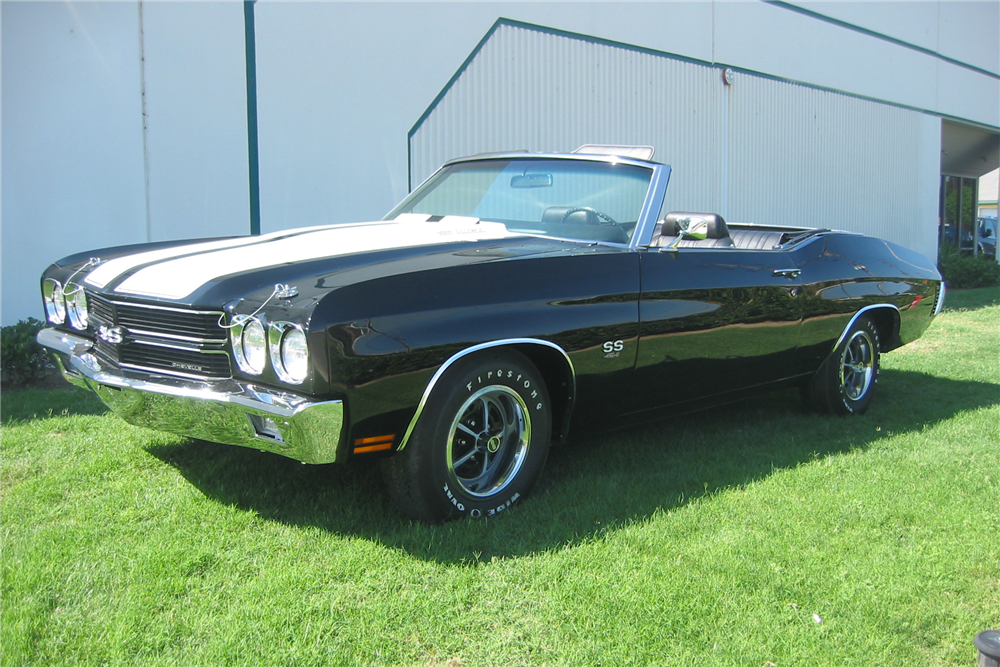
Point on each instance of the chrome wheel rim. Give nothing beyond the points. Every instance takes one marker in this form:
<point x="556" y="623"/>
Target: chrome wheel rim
<point x="858" y="367"/>
<point x="488" y="441"/>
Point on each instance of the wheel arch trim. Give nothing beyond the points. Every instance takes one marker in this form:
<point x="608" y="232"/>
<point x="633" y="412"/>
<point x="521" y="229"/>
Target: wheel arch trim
<point x="507" y="342"/>
<point x="868" y="309"/>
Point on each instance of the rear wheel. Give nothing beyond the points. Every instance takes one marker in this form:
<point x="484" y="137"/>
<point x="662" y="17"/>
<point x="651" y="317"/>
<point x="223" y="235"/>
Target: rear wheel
<point x="845" y="383"/>
<point x="480" y="443"/>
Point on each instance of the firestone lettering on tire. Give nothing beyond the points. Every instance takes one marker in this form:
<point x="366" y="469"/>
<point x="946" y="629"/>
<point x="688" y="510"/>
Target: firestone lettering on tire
<point x="454" y="501"/>
<point x="500" y="508"/>
<point x="424" y="479"/>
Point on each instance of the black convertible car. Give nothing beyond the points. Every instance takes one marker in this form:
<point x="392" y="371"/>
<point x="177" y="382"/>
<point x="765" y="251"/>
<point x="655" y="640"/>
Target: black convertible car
<point x="510" y="301"/>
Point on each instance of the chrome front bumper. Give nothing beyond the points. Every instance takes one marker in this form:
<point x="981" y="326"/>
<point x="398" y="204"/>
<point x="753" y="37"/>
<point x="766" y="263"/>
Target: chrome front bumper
<point x="229" y="412"/>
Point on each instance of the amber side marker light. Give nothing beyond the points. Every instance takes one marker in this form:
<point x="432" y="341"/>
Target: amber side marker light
<point x="379" y="443"/>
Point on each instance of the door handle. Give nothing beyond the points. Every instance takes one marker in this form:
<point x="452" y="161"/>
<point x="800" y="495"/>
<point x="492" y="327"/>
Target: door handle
<point x="787" y="273"/>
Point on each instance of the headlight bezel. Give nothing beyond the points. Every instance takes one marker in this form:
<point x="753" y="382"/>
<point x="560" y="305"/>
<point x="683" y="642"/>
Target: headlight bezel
<point x="281" y="336"/>
<point x="242" y="328"/>
<point x="77" y="306"/>
<point x="55" y="301"/>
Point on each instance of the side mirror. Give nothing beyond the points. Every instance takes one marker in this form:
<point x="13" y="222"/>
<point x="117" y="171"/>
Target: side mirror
<point x="693" y="228"/>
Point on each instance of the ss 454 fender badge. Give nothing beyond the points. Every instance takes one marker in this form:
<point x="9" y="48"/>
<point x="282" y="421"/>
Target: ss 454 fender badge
<point x="613" y="348"/>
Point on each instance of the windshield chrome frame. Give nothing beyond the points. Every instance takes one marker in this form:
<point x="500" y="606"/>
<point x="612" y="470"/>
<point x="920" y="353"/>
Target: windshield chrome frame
<point x="648" y="214"/>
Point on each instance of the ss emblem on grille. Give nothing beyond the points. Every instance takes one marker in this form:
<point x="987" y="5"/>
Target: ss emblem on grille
<point x="112" y="335"/>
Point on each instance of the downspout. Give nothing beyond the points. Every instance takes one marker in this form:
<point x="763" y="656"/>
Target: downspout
<point x="252" y="151"/>
<point x="145" y="123"/>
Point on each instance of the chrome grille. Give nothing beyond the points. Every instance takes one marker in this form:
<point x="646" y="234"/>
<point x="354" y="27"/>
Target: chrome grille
<point x="101" y="309"/>
<point x="161" y="339"/>
<point x="107" y="353"/>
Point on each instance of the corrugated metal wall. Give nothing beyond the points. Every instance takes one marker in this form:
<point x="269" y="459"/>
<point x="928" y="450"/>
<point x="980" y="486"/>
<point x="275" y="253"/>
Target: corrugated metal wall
<point x="760" y="150"/>
<point x="536" y="91"/>
<point x="798" y="155"/>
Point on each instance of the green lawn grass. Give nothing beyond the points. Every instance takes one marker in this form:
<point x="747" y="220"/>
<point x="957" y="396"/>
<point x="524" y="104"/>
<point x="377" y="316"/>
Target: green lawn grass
<point x="757" y="533"/>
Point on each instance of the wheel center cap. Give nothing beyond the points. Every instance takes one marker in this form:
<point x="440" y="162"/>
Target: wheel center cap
<point x="493" y="444"/>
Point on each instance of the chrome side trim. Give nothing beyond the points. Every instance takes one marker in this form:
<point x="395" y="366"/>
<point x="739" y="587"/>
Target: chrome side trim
<point x="223" y="411"/>
<point x="471" y="350"/>
<point x="854" y="319"/>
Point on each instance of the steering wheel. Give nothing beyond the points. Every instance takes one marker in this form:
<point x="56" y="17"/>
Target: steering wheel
<point x="604" y="218"/>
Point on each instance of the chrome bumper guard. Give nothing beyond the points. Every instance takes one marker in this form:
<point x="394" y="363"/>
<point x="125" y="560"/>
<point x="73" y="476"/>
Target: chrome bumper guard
<point x="228" y="411"/>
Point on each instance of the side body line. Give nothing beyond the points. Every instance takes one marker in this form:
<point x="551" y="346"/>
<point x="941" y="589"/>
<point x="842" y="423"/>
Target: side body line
<point x="471" y="350"/>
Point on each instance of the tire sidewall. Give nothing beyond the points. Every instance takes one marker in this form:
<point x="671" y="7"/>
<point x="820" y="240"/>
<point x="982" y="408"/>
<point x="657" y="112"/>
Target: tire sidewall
<point x="433" y="431"/>
<point x="860" y="405"/>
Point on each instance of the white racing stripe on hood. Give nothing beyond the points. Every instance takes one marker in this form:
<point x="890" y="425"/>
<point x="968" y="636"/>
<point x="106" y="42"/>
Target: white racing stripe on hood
<point x="177" y="278"/>
<point x="111" y="269"/>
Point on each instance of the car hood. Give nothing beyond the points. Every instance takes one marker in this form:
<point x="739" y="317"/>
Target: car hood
<point x="181" y="273"/>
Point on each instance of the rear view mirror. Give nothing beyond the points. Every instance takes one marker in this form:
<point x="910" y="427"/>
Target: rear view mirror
<point x="531" y="181"/>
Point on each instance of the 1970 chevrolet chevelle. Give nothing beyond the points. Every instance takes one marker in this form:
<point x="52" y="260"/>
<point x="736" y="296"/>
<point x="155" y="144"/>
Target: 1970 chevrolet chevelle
<point x="510" y="301"/>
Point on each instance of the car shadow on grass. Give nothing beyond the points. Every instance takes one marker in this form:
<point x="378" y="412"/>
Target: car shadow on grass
<point x="590" y="486"/>
<point x="62" y="400"/>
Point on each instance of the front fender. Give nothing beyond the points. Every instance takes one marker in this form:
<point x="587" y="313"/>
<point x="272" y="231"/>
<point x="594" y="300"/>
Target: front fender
<point x="403" y="330"/>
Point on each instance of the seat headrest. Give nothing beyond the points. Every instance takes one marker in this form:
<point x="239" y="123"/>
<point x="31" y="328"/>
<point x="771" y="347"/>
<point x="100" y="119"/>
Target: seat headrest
<point x="715" y="225"/>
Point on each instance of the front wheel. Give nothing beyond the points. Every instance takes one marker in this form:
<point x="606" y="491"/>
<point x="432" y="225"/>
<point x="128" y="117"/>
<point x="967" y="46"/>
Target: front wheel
<point x="845" y="383"/>
<point x="480" y="443"/>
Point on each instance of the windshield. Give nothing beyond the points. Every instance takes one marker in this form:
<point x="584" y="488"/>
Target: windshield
<point x="591" y="201"/>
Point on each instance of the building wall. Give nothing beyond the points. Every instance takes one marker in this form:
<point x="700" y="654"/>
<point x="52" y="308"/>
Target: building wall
<point x="341" y="84"/>
<point x="71" y="139"/>
<point x="759" y="150"/>
<point x="81" y="168"/>
<point x="989" y="186"/>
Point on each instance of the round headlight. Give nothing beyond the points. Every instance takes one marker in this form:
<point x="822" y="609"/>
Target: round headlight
<point x="292" y="363"/>
<point x="254" y="344"/>
<point x="76" y="306"/>
<point x="55" y="302"/>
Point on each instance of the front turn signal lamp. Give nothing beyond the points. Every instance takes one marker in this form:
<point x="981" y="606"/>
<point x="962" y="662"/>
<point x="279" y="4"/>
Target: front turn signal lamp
<point x="55" y="301"/>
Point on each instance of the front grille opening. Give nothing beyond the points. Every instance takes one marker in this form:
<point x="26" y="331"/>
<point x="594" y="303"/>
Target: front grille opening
<point x="186" y="343"/>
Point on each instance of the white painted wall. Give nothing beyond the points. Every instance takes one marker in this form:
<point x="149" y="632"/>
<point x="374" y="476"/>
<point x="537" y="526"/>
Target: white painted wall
<point x="71" y="139"/>
<point x="964" y="31"/>
<point x="989" y="186"/>
<point x="355" y="81"/>
<point x="340" y="84"/>
<point x="73" y="148"/>
<point x="197" y="124"/>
